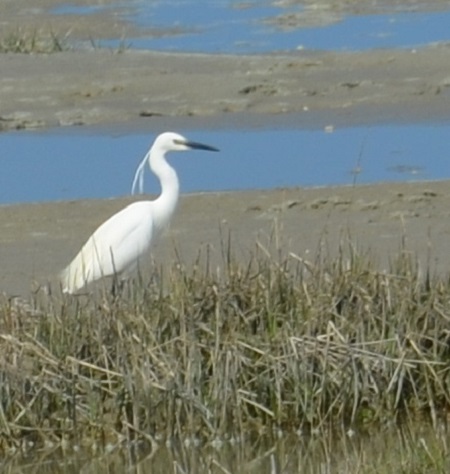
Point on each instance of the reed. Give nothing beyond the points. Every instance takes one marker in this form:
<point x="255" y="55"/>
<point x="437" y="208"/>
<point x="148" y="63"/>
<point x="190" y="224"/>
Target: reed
<point x="25" y="42"/>
<point x="271" y="345"/>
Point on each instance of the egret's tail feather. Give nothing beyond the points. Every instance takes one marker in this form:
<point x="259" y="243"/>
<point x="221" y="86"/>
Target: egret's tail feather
<point x="71" y="280"/>
<point x="77" y="274"/>
<point x="66" y="282"/>
<point x="88" y="266"/>
<point x="64" y="278"/>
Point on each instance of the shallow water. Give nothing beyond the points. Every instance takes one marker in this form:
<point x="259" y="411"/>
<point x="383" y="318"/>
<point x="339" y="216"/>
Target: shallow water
<point x="79" y="163"/>
<point x="99" y="164"/>
<point x="416" y="448"/>
<point x="236" y="27"/>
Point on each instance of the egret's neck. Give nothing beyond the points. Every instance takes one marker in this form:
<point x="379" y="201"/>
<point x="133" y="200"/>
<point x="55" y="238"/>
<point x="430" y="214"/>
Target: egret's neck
<point x="165" y="204"/>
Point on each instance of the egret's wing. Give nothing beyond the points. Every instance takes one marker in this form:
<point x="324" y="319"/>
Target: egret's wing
<point x="113" y="248"/>
<point x="139" y="175"/>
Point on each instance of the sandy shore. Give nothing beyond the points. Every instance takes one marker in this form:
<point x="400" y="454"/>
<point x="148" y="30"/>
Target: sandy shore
<point x="146" y="88"/>
<point x="38" y="240"/>
<point x="149" y="90"/>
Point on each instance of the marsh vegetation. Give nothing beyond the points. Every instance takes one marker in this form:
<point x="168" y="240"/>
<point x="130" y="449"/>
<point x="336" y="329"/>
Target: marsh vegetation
<point x="274" y="347"/>
<point x="35" y="42"/>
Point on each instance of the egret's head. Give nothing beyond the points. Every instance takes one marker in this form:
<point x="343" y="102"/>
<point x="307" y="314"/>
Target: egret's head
<point x="170" y="141"/>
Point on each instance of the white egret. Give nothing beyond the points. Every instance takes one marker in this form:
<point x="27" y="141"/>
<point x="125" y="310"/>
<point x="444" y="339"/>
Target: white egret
<point x="117" y="245"/>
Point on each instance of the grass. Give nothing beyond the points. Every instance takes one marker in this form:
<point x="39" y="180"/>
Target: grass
<point x="32" y="43"/>
<point x="24" y="42"/>
<point x="260" y="349"/>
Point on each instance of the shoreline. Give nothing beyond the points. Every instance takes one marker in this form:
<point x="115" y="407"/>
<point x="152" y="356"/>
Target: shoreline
<point x="39" y="239"/>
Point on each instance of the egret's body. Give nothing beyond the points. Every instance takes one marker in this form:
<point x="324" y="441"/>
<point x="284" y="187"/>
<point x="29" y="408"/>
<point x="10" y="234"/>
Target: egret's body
<point x="117" y="245"/>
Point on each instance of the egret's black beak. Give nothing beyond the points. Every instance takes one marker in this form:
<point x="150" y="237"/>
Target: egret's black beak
<point x="199" y="146"/>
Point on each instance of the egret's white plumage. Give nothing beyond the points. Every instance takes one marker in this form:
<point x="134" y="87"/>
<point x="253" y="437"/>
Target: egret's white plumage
<point x="116" y="246"/>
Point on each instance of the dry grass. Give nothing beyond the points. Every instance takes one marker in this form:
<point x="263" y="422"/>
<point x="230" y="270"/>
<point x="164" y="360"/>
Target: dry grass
<point x="275" y="345"/>
<point x="35" y="42"/>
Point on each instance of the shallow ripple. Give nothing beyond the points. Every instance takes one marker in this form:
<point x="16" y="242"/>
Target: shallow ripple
<point x="73" y="163"/>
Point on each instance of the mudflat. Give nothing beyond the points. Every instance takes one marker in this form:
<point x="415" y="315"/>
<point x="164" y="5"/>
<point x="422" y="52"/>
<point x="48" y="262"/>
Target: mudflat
<point x="38" y="240"/>
<point x="145" y="88"/>
<point x="154" y="90"/>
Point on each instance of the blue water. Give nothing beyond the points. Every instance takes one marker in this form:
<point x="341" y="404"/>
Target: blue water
<point x="87" y="163"/>
<point x="227" y="27"/>
<point x="76" y="163"/>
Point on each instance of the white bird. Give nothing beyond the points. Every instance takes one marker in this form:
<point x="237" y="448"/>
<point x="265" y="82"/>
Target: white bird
<point x="117" y="245"/>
